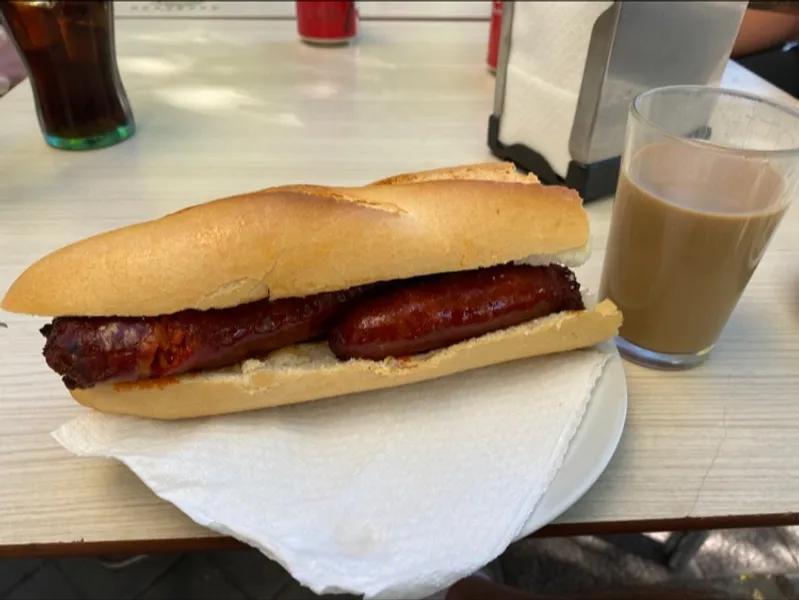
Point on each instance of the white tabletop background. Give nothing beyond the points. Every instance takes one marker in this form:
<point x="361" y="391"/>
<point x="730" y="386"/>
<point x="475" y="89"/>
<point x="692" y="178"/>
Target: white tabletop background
<point x="227" y="106"/>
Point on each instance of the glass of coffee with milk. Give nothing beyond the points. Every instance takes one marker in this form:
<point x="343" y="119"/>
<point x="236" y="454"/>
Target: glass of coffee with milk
<point x="706" y="176"/>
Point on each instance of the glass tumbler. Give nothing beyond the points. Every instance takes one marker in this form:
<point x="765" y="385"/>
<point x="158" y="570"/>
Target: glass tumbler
<point x="68" y="49"/>
<point x="706" y="176"/>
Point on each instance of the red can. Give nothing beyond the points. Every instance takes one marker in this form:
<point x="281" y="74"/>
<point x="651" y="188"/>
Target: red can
<point x="327" y="22"/>
<point x="494" y="35"/>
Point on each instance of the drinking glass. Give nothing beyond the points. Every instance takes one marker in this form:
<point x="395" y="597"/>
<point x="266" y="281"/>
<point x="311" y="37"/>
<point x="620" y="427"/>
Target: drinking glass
<point x="68" y="49"/>
<point x="706" y="176"/>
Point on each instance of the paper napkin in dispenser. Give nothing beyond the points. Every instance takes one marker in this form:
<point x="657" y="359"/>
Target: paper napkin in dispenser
<point x="545" y="70"/>
<point x="568" y="72"/>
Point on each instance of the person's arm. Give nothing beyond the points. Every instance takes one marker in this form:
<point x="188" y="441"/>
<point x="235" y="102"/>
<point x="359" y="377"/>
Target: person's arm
<point x="766" y="25"/>
<point x="783" y="6"/>
<point x="12" y="71"/>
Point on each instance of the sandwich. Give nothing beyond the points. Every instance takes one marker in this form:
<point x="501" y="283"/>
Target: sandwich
<point x="297" y="293"/>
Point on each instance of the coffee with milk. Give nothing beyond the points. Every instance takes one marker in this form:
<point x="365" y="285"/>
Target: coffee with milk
<point x="690" y="225"/>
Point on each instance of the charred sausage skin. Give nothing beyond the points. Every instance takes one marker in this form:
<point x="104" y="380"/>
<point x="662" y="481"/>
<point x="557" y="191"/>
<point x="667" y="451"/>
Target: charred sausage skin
<point x="433" y="312"/>
<point x="393" y="319"/>
<point x="88" y="351"/>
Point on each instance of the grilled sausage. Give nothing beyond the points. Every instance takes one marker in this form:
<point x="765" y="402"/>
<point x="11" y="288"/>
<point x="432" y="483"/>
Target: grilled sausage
<point x="88" y="351"/>
<point x="437" y="311"/>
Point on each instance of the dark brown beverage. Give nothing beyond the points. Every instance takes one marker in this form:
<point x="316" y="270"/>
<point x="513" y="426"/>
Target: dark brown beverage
<point x="68" y="49"/>
<point x="689" y="227"/>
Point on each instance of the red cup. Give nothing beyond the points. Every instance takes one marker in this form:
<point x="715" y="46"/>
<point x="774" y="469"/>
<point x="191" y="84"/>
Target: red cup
<point x="328" y="23"/>
<point x="494" y="35"/>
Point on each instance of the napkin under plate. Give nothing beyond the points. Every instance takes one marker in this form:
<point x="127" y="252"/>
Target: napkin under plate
<point x="396" y="493"/>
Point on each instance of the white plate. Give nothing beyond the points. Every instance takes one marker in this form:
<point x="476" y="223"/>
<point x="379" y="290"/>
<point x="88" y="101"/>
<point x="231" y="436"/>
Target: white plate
<point x="591" y="448"/>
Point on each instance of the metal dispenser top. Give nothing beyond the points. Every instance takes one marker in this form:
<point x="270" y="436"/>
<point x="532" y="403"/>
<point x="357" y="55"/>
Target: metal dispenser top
<point x="634" y="46"/>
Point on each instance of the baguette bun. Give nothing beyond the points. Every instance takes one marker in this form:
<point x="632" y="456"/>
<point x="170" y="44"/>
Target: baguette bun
<point x="308" y="372"/>
<point x="299" y="240"/>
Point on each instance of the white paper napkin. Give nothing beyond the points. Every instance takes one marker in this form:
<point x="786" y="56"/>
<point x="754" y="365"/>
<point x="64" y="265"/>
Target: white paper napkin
<point x="545" y="71"/>
<point x="391" y="494"/>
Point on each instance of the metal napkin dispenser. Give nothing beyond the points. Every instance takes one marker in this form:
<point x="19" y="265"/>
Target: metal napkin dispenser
<point x="568" y="71"/>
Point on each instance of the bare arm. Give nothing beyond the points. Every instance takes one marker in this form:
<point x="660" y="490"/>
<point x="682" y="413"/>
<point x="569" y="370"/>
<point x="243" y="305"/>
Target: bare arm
<point x="765" y="25"/>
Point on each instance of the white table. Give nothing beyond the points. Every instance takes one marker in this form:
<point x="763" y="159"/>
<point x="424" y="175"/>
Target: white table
<point x="286" y="9"/>
<point x="229" y="106"/>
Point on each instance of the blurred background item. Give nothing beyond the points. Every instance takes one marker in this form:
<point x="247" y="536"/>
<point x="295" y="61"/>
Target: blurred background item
<point x="327" y="23"/>
<point x="768" y="43"/>
<point x="494" y="35"/>
<point x="12" y="71"/>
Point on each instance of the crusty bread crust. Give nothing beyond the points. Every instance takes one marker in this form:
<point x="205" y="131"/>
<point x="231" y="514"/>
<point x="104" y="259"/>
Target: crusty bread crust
<point x="310" y="371"/>
<point x="498" y="171"/>
<point x="298" y="240"/>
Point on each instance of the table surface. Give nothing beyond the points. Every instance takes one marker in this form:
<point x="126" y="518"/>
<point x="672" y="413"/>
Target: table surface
<point x="229" y="106"/>
<point x="286" y="9"/>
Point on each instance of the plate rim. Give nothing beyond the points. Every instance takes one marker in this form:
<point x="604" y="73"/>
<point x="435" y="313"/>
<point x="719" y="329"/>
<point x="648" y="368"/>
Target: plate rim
<point x="536" y="521"/>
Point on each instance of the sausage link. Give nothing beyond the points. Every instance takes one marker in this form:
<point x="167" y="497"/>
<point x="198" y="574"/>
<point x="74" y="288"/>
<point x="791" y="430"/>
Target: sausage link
<point x="88" y="351"/>
<point x="437" y="311"/>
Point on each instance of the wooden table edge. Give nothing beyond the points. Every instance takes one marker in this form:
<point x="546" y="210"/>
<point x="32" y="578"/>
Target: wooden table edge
<point x="205" y="544"/>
